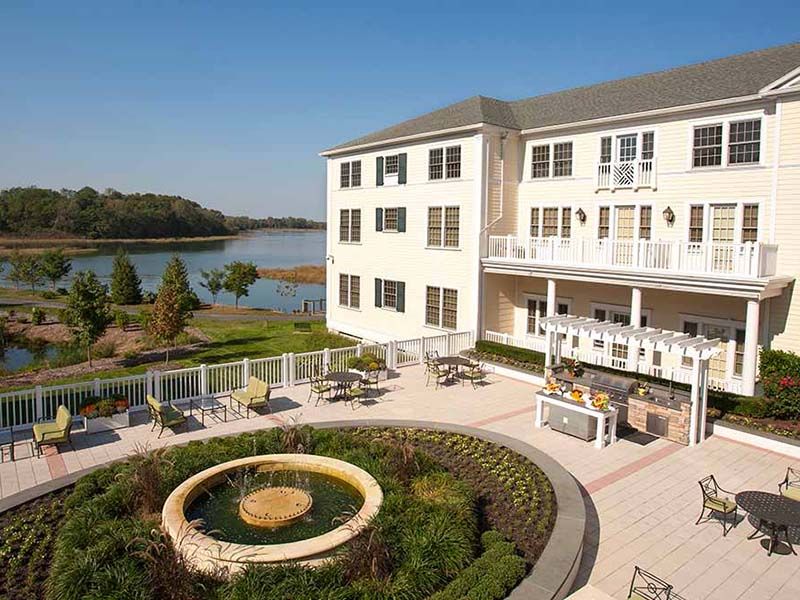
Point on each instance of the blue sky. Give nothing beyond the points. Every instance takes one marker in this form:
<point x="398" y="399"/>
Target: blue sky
<point x="228" y="103"/>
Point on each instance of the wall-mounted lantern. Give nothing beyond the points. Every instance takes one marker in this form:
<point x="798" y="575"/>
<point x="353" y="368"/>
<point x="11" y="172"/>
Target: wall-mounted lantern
<point x="581" y="216"/>
<point x="669" y="216"/>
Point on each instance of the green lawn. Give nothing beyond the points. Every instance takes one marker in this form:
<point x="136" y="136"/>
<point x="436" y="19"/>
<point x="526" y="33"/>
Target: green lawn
<point x="235" y="340"/>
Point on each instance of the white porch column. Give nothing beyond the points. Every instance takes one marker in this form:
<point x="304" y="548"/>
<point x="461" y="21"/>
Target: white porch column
<point x="636" y="321"/>
<point x="695" y="401"/>
<point x="750" y="348"/>
<point x="551" y="297"/>
<point x="704" y="399"/>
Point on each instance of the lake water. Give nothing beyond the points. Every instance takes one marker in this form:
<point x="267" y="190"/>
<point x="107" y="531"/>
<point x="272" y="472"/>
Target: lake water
<point x="14" y="357"/>
<point x="264" y="248"/>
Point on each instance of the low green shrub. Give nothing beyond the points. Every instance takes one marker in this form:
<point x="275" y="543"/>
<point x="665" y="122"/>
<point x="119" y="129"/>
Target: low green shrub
<point x="49" y="295"/>
<point x="38" y="315"/>
<point x="519" y="357"/>
<point x="121" y="319"/>
<point x="105" y="349"/>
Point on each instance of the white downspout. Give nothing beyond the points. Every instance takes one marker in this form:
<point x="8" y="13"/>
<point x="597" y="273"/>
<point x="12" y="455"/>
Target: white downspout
<point x="503" y="137"/>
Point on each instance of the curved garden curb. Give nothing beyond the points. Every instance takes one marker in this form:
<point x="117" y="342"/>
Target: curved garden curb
<point x="553" y="574"/>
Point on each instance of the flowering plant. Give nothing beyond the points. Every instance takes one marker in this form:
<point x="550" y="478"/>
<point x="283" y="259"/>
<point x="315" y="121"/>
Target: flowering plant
<point x="600" y="401"/>
<point x="552" y="386"/>
<point x="577" y="395"/>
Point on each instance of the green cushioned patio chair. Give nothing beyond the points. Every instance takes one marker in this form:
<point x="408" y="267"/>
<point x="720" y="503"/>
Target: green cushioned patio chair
<point x="475" y="374"/>
<point x="55" y="432"/>
<point x="790" y="486"/>
<point x="164" y="415"/>
<point x="370" y="380"/>
<point x="716" y="503"/>
<point x="255" y="395"/>
<point x="439" y="373"/>
<point x="320" y="387"/>
<point x="353" y="394"/>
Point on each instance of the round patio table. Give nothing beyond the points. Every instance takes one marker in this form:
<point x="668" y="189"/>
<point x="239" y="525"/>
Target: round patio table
<point x="777" y="513"/>
<point x="343" y="380"/>
<point x="453" y="361"/>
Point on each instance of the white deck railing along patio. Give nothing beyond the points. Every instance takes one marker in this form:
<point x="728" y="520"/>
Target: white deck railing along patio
<point x="748" y="259"/>
<point x="22" y="408"/>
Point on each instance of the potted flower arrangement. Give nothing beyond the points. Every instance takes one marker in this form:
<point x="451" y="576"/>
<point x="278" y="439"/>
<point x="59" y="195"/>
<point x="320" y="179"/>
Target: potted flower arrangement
<point x="105" y="414"/>
<point x="366" y="363"/>
<point x="600" y="401"/>
<point x="552" y="387"/>
<point x="642" y="388"/>
<point x="574" y="367"/>
<point x="577" y="396"/>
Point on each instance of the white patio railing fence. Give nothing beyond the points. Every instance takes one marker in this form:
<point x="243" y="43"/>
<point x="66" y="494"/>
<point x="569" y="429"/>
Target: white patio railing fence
<point x="22" y="408"/>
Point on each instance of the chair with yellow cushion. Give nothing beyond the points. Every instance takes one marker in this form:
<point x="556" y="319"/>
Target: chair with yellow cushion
<point x="255" y="395"/>
<point x="164" y="415"/>
<point x="55" y="432"/>
<point x="790" y="486"/>
<point x="716" y="503"/>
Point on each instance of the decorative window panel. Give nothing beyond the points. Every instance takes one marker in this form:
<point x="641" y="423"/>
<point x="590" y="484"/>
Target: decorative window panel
<point x="453" y="162"/>
<point x="436" y="163"/>
<point x="540" y="161"/>
<point x="744" y="142"/>
<point x="435" y="226"/>
<point x="707" y="148"/>
<point x="750" y="223"/>
<point x="451" y="226"/>
<point x="562" y="159"/>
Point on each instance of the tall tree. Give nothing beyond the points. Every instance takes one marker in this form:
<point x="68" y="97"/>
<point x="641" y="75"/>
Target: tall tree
<point x="167" y="321"/>
<point x="54" y="266"/>
<point x="214" y="282"/>
<point x="87" y="313"/>
<point x="239" y="276"/>
<point x="176" y="276"/>
<point x="30" y="268"/>
<point x="126" y="287"/>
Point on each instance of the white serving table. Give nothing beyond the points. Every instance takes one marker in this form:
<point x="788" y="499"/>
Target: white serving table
<point x="603" y="416"/>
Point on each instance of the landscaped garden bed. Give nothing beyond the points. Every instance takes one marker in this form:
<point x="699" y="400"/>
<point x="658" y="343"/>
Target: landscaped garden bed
<point x="461" y="518"/>
<point x="511" y="356"/>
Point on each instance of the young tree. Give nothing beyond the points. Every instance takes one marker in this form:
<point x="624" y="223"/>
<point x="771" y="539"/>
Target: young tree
<point x="214" y="282"/>
<point x="17" y="263"/>
<point x="54" y="266"/>
<point x="167" y="320"/>
<point x="176" y="276"/>
<point x="87" y="312"/>
<point x="31" y="270"/>
<point x="239" y="276"/>
<point x="126" y="287"/>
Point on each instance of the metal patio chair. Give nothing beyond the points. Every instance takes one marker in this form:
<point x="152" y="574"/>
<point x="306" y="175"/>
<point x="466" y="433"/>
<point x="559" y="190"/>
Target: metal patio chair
<point x="716" y="503"/>
<point x="790" y="486"/>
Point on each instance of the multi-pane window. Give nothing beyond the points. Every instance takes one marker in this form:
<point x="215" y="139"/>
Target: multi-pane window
<point x="744" y="142"/>
<point x="435" y="226"/>
<point x="550" y="222"/>
<point x="350" y="225"/>
<point x="648" y="145"/>
<point x="696" y="224"/>
<point x="707" y="149"/>
<point x="540" y="161"/>
<point x="350" y="290"/>
<point x="604" y="222"/>
<point x="738" y="358"/>
<point x="626" y="147"/>
<point x="390" y="219"/>
<point x="443" y="226"/>
<point x="566" y="222"/>
<point x="436" y="163"/>
<point x="390" y="294"/>
<point x="453" y="162"/>
<point x="535" y="221"/>
<point x="537" y="310"/>
<point x="605" y="150"/>
<point x="441" y="307"/>
<point x="645" y="222"/>
<point x="350" y="174"/>
<point x="750" y="223"/>
<point x="392" y="164"/>
<point x="562" y="159"/>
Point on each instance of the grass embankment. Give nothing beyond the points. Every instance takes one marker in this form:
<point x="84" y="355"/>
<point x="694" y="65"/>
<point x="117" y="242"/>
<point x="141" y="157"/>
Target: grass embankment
<point x="230" y="341"/>
<point x="300" y="274"/>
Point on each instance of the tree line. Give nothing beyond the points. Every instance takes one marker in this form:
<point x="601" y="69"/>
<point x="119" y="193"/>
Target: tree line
<point x="87" y="213"/>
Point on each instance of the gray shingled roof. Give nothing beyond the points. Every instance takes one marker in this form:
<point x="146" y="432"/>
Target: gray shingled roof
<point x="735" y="76"/>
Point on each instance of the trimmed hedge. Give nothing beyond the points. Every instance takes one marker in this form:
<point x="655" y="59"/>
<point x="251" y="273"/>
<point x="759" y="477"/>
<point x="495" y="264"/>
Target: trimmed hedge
<point x="511" y="355"/>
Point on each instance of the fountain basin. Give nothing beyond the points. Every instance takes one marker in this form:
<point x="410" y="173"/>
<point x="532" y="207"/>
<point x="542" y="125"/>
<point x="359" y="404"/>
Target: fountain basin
<point x="212" y="554"/>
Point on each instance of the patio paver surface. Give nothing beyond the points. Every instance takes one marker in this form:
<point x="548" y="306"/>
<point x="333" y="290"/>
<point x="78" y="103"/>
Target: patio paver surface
<point x="642" y="501"/>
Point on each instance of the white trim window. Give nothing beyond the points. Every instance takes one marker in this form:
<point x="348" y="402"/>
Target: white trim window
<point x="390" y="216"/>
<point x="727" y="143"/>
<point x="621" y="315"/>
<point x="444" y="163"/>
<point x="536" y="306"/>
<point x="443" y="226"/>
<point x="551" y="221"/>
<point x="391" y="165"/>
<point x="349" y="290"/>
<point x="350" y="174"/>
<point x="441" y="307"/>
<point x="350" y="225"/>
<point x="730" y="362"/>
<point x="552" y="158"/>
<point x="390" y="294"/>
<point x="723" y="222"/>
<point x="628" y="147"/>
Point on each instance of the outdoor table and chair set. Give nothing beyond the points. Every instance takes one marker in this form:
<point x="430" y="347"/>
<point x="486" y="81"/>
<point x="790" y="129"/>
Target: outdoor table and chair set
<point x="350" y="386"/>
<point x="444" y="370"/>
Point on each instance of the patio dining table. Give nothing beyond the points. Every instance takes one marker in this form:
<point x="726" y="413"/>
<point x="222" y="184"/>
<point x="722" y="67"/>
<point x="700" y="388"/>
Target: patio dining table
<point x="776" y="513"/>
<point x="453" y="363"/>
<point x="342" y="380"/>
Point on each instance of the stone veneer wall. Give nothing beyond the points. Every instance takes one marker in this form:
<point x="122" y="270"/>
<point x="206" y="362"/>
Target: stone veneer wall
<point x="678" y="422"/>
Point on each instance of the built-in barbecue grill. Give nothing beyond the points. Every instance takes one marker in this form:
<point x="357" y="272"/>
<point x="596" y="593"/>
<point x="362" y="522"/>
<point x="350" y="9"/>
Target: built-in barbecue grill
<point x="618" y="389"/>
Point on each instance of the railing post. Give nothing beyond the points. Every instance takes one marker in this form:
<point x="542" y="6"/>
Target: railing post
<point x="96" y="387"/>
<point x="422" y="350"/>
<point x="204" y="380"/>
<point x="448" y="343"/>
<point x="245" y="372"/>
<point x="326" y="359"/>
<point x="508" y="246"/>
<point x="148" y="383"/>
<point x="359" y="349"/>
<point x="285" y="369"/>
<point x="157" y="385"/>
<point x="292" y="366"/>
<point x="39" y="406"/>
<point x="391" y="355"/>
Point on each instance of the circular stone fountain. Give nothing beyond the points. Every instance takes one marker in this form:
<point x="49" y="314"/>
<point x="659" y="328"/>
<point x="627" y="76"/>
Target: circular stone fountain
<point x="280" y="509"/>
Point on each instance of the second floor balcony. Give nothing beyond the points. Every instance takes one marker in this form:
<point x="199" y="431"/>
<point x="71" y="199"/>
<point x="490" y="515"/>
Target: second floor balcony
<point x="633" y="174"/>
<point x="734" y="260"/>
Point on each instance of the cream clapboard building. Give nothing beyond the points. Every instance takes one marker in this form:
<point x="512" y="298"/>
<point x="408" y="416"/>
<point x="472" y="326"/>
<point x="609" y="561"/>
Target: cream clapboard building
<point x="669" y="200"/>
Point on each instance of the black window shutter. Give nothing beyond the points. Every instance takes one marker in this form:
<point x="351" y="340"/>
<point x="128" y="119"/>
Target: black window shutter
<point x="378" y="292"/>
<point x="401" y="219"/>
<point x="401" y="171"/>
<point x="378" y="219"/>
<point x="401" y="296"/>
<point x="379" y="171"/>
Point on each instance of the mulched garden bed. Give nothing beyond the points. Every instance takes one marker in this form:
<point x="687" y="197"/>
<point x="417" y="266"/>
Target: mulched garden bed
<point x="26" y="545"/>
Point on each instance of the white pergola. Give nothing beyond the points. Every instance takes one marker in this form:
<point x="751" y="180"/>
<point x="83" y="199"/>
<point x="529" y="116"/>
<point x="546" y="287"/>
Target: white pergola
<point x="696" y="347"/>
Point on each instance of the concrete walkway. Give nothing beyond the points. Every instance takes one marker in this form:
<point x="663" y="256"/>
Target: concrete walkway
<point x="642" y="501"/>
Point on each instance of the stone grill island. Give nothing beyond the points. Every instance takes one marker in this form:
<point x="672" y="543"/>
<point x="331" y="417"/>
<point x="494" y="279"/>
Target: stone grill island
<point x="270" y="509"/>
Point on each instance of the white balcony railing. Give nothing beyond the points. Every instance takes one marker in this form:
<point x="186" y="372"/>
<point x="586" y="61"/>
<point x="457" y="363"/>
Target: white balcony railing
<point x="749" y="259"/>
<point x="633" y="174"/>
